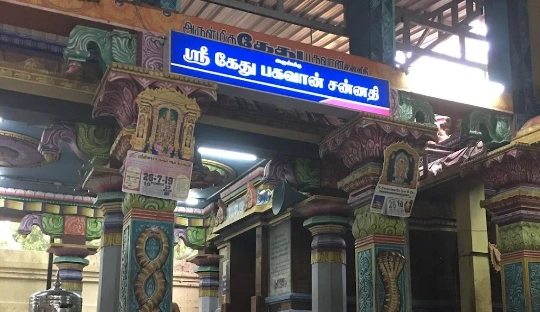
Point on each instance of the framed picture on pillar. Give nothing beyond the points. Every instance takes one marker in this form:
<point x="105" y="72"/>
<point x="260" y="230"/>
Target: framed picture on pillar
<point x="396" y="191"/>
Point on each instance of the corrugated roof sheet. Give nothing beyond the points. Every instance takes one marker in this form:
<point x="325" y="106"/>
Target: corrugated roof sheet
<point x="326" y="11"/>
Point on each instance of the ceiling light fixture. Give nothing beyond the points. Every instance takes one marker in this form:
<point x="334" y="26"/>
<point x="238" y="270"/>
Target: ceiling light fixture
<point x="226" y="154"/>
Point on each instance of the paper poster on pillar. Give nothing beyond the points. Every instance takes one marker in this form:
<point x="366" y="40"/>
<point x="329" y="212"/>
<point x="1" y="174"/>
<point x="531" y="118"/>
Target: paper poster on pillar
<point x="396" y="191"/>
<point x="156" y="176"/>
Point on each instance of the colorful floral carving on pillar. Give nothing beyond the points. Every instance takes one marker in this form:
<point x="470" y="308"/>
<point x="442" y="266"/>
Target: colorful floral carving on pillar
<point x="73" y="231"/>
<point x="513" y="172"/>
<point x="380" y="241"/>
<point x="111" y="46"/>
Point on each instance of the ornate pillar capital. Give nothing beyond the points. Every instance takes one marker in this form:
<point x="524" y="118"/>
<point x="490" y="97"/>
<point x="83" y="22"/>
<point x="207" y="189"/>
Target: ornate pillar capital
<point x="122" y="84"/>
<point x="507" y="167"/>
<point x="372" y="225"/>
<point x="141" y="202"/>
<point x="363" y="139"/>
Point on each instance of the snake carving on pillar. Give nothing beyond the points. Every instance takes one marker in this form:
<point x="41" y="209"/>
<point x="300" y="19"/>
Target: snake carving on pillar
<point x="391" y="265"/>
<point x="151" y="268"/>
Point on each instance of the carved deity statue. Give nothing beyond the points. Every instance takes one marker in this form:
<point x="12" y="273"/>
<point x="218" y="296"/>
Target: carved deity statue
<point x="166" y="123"/>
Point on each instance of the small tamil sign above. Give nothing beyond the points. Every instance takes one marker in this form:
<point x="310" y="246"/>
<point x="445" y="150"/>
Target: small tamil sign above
<point x="396" y="191"/>
<point x="157" y="176"/>
<point x="246" y="68"/>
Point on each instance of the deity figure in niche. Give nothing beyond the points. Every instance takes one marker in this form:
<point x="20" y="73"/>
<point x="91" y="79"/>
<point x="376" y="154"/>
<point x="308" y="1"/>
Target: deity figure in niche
<point x="401" y="168"/>
<point x="141" y="129"/>
<point x="189" y="136"/>
<point x="165" y="132"/>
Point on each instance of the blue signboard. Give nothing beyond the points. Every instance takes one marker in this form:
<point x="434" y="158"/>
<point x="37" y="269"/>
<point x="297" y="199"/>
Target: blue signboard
<point x="227" y="64"/>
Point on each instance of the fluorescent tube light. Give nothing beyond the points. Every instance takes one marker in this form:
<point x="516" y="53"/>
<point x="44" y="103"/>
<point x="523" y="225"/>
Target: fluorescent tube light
<point x="191" y="201"/>
<point x="205" y="151"/>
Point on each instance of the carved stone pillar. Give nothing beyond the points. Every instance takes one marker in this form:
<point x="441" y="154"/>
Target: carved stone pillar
<point x="513" y="172"/>
<point x="147" y="253"/>
<point x="164" y="109"/>
<point x="208" y="271"/>
<point x="73" y="231"/>
<point x="380" y="240"/>
<point x="328" y="263"/>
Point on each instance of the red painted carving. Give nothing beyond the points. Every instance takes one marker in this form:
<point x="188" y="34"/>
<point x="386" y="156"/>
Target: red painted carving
<point x="516" y="164"/>
<point x="365" y="138"/>
<point x="116" y="96"/>
<point x="75" y="225"/>
<point x="457" y="158"/>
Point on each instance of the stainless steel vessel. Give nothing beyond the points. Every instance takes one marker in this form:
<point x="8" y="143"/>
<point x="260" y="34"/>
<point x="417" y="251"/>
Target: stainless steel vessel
<point x="55" y="300"/>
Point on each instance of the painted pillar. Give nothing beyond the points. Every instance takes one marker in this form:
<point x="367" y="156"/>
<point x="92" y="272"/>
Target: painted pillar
<point x="517" y="213"/>
<point x="208" y="272"/>
<point x="328" y="263"/>
<point x="472" y="235"/>
<point x="371" y="29"/>
<point x="512" y="57"/>
<point x="512" y="172"/>
<point x="111" y="251"/>
<point x="381" y="270"/>
<point x="147" y="254"/>
<point x="380" y="262"/>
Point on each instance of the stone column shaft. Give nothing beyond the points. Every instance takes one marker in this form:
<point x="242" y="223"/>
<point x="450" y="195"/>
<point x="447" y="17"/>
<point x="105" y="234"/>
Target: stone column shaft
<point x="208" y="271"/>
<point x="261" y="270"/>
<point x="110" y="256"/>
<point x="474" y="270"/>
<point x="208" y="288"/>
<point x="328" y="263"/>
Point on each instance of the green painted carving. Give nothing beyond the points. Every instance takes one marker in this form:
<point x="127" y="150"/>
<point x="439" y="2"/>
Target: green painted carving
<point x="367" y="223"/>
<point x="115" y="46"/>
<point x="413" y="110"/>
<point x="196" y="237"/>
<point x="144" y="202"/>
<point x="53" y="224"/>
<point x="93" y="228"/>
<point x="493" y="129"/>
<point x="169" y="5"/>
<point x="95" y="142"/>
<point x="519" y="236"/>
<point x="307" y="172"/>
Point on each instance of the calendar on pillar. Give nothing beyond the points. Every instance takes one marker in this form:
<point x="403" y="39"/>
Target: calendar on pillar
<point x="396" y="191"/>
<point x="156" y="176"/>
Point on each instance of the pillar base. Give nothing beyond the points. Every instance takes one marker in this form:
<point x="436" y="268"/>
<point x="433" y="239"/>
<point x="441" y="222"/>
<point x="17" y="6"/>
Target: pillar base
<point x="70" y="260"/>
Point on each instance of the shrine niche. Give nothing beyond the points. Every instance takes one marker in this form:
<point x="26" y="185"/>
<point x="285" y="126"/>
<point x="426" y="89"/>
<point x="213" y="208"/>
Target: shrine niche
<point x="165" y="123"/>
